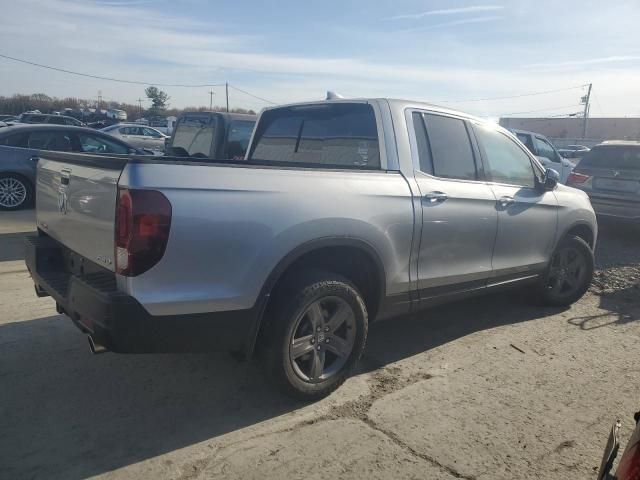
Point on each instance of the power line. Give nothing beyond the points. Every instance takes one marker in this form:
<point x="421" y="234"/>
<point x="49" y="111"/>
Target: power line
<point x="252" y="95"/>
<point x="111" y="79"/>
<point x="542" y="110"/>
<point x="531" y="94"/>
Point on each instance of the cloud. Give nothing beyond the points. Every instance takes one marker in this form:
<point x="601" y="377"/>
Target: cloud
<point x="453" y="23"/>
<point x="586" y="62"/>
<point x="447" y="11"/>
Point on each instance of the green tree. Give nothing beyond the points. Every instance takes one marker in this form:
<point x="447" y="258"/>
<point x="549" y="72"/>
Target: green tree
<point x="159" y="99"/>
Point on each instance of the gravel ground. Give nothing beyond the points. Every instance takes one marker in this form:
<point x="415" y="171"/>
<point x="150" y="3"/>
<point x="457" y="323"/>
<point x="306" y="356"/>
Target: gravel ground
<point x="490" y="388"/>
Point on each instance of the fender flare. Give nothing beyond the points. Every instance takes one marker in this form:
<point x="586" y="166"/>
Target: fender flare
<point x="294" y="255"/>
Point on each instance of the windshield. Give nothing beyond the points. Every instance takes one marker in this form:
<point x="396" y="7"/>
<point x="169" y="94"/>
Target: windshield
<point x="619" y="157"/>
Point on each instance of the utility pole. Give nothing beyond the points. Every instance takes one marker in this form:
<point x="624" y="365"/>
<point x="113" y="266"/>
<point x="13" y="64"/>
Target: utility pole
<point x="210" y="99"/>
<point x="140" y="103"/>
<point x="226" y="88"/>
<point x="99" y="98"/>
<point x="585" y="116"/>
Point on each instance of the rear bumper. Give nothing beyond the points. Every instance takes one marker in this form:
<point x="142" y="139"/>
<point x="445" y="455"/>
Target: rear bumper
<point x="620" y="209"/>
<point x="118" y="321"/>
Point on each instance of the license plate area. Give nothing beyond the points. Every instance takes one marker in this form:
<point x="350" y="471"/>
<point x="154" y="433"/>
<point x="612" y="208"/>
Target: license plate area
<point x="614" y="185"/>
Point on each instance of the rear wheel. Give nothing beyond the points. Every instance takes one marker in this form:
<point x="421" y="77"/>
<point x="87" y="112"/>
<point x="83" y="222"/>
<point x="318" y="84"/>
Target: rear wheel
<point x="570" y="272"/>
<point x="15" y="192"/>
<point x="319" y="333"/>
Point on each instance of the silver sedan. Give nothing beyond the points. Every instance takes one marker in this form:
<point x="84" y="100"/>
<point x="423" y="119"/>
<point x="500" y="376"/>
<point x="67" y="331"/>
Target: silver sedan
<point x="139" y="136"/>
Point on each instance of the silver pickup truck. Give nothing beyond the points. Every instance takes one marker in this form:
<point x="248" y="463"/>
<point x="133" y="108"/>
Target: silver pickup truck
<point x="342" y="212"/>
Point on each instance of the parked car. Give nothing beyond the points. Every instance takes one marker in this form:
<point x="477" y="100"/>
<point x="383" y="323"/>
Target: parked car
<point x="8" y="118"/>
<point x="544" y="150"/>
<point x="21" y="146"/>
<point x="573" y="151"/>
<point x="138" y="136"/>
<point x="610" y="175"/>
<point x="629" y="464"/>
<point x="342" y="213"/>
<point x="50" y="119"/>
<point x="213" y="135"/>
<point x="116" y="114"/>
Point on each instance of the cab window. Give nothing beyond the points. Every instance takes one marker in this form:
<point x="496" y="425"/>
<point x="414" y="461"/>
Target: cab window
<point x="238" y="138"/>
<point x="326" y="135"/>
<point x="444" y="146"/>
<point x="506" y="161"/>
<point x="545" y="149"/>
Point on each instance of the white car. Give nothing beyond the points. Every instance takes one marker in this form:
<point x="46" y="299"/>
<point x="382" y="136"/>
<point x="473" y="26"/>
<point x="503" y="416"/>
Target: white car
<point x="139" y="136"/>
<point x="544" y="150"/>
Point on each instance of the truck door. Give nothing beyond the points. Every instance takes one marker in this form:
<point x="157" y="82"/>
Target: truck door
<point x="527" y="215"/>
<point x="459" y="218"/>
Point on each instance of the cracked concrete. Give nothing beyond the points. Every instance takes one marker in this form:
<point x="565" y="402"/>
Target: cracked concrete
<point x="490" y="388"/>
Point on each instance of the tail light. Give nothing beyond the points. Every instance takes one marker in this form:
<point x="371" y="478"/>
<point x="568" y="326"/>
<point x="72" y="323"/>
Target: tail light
<point x="143" y="220"/>
<point x="577" y="178"/>
<point x="629" y="465"/>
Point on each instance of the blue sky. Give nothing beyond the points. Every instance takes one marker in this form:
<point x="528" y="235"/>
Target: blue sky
<point x="438" y="51"/>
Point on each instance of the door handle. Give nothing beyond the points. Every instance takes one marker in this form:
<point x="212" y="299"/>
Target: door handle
<point x="435" y="197"/>
<point x="35" y="158"/>
<point x="506" y="201"/>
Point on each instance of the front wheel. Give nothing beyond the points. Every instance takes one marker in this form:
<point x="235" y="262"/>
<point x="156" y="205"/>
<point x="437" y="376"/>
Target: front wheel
<point x="319" y="333"/>
<point x="569" y="274"/>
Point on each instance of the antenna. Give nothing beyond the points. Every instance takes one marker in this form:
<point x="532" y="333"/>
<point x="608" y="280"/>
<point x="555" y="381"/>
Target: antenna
<point x="333" y="95"/>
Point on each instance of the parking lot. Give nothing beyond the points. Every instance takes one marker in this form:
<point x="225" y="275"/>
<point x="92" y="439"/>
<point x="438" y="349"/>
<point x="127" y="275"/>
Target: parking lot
<point x="488" y="388"/>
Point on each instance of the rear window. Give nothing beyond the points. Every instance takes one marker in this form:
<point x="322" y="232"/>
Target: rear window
<point x="238" y="138"/>
<point x="194" y="136"/>
<point x="617" y="157"/>
<point x="325" y="135"/>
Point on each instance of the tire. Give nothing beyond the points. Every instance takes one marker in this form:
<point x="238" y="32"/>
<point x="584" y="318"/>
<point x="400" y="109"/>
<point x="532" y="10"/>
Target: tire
<point x="569" y="274"/>
<point x="319" y="330"/>
<point x="15" y="192"/>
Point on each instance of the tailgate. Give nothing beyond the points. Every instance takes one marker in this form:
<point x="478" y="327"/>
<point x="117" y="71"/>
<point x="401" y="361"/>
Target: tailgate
<point x="76" y="202"/>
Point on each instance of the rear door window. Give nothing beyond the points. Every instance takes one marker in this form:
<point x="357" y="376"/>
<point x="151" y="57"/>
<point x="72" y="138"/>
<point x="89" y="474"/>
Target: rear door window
<point x="444" y="147"/>
<point x="57" y="140"/>
<point x="324" y="135"/>
<point x="16" y="140"/>
<point x="34" y="119"/>
<point x="55" y="120"/>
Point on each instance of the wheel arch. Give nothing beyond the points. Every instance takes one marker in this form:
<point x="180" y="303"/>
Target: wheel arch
<point x="581" y="229"/>
<point x="307" y="255"/>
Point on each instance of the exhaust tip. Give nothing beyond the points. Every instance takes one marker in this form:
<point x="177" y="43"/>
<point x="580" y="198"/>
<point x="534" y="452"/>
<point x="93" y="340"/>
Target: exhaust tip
<point x="95" y="347"/>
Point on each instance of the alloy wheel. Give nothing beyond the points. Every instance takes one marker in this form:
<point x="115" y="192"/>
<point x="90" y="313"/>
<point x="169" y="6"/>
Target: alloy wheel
<point x="13" y="192"/>
<point x="323" y="339"/>
<point x="567" y="272"/>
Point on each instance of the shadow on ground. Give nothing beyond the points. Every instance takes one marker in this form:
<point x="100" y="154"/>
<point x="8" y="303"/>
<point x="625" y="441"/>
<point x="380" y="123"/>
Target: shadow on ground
<point x="67" y="414"/>
<point x="12" y="246"/>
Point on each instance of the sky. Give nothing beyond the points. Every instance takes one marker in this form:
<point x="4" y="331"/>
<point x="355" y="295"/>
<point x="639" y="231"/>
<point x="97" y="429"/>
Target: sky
<point x="454" y="53"/>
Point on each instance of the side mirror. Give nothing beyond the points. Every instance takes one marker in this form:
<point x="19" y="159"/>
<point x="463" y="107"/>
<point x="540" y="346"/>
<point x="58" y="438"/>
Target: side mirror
<point x="551" y="179"/>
